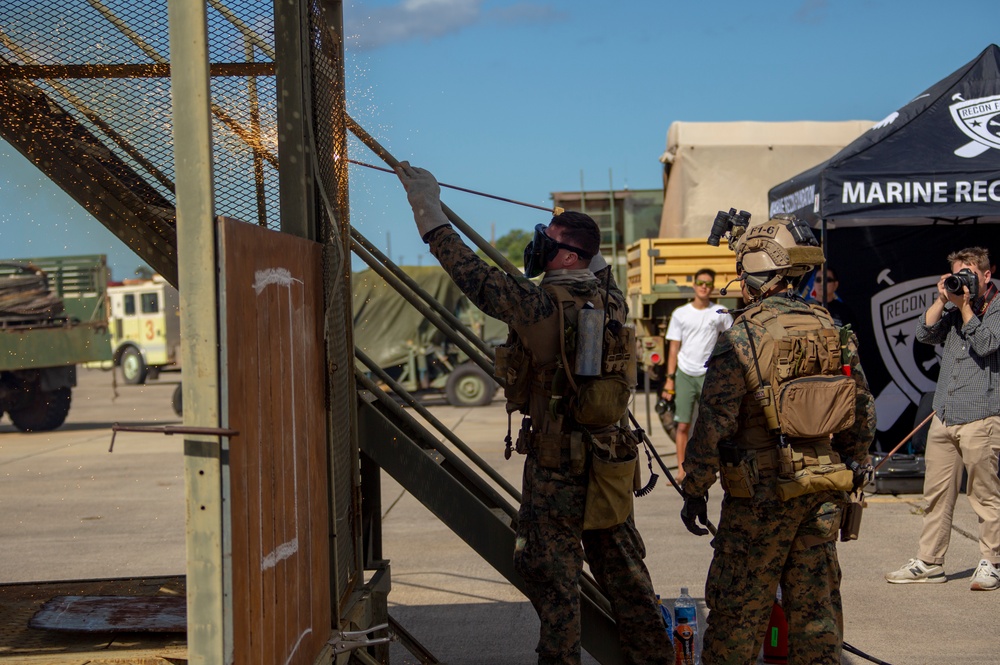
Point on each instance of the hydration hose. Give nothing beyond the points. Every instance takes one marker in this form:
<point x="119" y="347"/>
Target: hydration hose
<point x="670" y="477"/>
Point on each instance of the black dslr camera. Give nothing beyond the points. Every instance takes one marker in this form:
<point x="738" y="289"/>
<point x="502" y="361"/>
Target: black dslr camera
<point x="963" y="277"/>
<point x="732" y="222"/>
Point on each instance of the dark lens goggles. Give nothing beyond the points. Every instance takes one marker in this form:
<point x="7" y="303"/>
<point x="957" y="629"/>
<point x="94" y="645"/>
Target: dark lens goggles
<point x="542" y="249"/>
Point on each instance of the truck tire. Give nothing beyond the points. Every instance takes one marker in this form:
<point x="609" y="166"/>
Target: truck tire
<point x="134" y="368"/>
<point x="469" y="385"/>
<point x="177" y="401"/>
<point x="47" y="412"/>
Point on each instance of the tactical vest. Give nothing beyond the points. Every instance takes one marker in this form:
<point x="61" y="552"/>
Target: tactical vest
<point x="536" y="368"/>
<point x="805" y="395"/>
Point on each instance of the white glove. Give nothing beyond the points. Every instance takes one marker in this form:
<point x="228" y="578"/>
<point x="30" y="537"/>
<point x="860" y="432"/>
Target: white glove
<point x="424" y="195"/>
<point x="597" y="263"/>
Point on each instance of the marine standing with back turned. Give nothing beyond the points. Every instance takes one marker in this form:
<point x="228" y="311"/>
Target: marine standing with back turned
<point x="780" y="381"/>
<point x="569" y="432"/>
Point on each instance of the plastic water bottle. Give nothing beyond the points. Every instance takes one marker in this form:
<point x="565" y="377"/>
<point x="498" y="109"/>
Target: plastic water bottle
<point x="668" y="621"/>
<point x="686" y="610"/>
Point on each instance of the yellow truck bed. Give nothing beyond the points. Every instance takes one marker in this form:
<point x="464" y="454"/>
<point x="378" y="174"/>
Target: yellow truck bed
<point x="661" y="264"/>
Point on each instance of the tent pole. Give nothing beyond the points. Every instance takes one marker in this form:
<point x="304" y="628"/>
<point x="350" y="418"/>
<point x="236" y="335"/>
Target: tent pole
<point x="826" y="257"/>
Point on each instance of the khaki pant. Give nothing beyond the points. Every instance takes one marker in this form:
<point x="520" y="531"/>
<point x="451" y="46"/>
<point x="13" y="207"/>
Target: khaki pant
<point x="950" y="449"/>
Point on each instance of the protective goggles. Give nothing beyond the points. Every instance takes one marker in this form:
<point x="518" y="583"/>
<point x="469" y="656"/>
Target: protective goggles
<point x="542" y="249"/>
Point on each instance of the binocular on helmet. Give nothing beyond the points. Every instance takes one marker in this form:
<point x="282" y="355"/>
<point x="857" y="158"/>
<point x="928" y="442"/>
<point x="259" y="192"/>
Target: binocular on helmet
<point x="732" y="222"/>
<point x="964" y="277"/>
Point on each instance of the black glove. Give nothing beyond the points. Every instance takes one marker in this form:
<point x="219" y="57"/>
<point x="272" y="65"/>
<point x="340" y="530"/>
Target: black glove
<point x="695" y="507"/>
<point x="663" y="405"/>
<point x="863" y="474"/>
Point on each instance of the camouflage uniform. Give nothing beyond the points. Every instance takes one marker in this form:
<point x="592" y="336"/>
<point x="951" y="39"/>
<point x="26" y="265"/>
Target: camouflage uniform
<point x="763" y="540"/>
<point x="548" y="553"/>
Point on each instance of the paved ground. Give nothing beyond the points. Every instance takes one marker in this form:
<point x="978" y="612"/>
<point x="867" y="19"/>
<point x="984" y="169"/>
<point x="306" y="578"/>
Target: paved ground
<point x="71" y="510"/>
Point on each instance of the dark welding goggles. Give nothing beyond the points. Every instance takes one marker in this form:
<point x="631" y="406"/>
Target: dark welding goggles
<point x="542" y="249"/>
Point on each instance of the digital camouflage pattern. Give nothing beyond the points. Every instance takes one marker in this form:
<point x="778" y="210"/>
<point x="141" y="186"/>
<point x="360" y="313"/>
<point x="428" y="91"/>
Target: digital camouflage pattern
<point x="548" y="553"/>
<point x="762" y="540"/>
<point x="549" y="557"/>
<point x="759" y="544"/>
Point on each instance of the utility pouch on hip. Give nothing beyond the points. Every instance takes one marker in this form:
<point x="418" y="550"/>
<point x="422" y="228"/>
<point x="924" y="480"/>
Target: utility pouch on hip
<point x="523" y="443"/>
<point x="814" y="479"/>
<point x="511" y="368"/>
<point x="548" y="448"/>
<point x="602" y="402"/>
<point x="739" y="470"/>
<point x="851" y="524"/>
<point x="609" y="488"/>
<point x="786" y="461"/>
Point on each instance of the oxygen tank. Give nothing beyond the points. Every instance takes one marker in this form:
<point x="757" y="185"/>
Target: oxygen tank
<point x="589" y="341"/>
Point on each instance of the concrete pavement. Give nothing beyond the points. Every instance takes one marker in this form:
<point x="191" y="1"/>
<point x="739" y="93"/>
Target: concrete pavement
<point x="464" y="612"/>
<point x="71" y="510"/>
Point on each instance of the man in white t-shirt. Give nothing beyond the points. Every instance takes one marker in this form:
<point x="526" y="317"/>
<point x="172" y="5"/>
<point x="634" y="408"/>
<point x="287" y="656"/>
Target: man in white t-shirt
<point x="692" y="333"/>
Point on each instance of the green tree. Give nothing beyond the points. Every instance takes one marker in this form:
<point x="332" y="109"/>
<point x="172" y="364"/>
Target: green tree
<point x="511" y="245"/>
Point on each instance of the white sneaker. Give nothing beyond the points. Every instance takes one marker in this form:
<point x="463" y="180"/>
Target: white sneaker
<point x="986" y="577"/>
<point x="916" y="571"/>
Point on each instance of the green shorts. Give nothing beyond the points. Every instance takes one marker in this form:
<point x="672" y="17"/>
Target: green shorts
<point x="688" y="391"/>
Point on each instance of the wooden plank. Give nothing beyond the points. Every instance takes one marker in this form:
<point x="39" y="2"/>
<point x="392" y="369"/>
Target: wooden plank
<point x="275" y="377"/>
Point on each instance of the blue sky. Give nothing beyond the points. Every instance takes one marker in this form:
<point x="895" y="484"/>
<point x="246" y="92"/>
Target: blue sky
<point x="520" y="99"/>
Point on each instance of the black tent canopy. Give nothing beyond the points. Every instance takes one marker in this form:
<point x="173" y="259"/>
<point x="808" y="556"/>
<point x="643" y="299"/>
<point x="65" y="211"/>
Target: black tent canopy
<point x="936" y="159"/>
<point x="892" y="205"/>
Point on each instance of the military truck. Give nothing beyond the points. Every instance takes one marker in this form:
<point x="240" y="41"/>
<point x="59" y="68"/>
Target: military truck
<point x="414" y="352"/>
<point x="53" y="316"/>
<point x="660" y="279"/>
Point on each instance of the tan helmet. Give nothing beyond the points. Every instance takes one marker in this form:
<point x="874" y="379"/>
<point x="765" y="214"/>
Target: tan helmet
<point x="780" y="248"/>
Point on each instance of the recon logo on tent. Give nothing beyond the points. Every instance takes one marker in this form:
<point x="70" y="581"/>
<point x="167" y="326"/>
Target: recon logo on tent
<point x="978" y="119"/>
<point x="913" y="367"/>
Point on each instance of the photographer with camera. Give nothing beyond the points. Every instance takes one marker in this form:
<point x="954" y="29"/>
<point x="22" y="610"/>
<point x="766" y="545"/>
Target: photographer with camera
<point x="965" y="430"/>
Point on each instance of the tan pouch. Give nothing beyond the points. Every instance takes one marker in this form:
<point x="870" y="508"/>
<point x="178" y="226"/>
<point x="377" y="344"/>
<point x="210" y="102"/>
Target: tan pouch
<point x="814" y="479"/>
<point x="850" y="527"/>
<point x="601" y="402"/>
<point x="739" y="479"/>
<point x="548" y="448"/>
<point x="609" y="493"/>
<point x="816" y="405"/>
<point x="511" y="369"/>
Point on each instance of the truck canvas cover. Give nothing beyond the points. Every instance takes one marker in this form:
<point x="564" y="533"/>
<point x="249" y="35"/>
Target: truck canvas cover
<point x="710" y="166"/>
<point x="387" y="326"/>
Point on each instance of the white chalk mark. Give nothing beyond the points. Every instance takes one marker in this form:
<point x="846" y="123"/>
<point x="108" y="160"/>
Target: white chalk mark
<point x="283" y="551"/>
<point x="297" y="643"/>
<point x="279" y="276"/>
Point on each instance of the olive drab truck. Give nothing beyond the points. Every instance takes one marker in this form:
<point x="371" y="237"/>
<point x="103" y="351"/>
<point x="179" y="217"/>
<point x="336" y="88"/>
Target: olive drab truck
<point x="410" y="349"/>
<point x="145" y="328"/>
<point x="53" y="317"/>
<point x="660" y="279"/>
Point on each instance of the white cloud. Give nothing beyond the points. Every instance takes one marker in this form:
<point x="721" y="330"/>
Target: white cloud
<point x="410" y="19"/>
<point x="430" y="19"/>
<point x="812" y="12"/>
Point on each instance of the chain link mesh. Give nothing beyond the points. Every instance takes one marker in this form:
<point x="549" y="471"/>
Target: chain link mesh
<point x="104" y="63"/>
<point x="92" y="83"/>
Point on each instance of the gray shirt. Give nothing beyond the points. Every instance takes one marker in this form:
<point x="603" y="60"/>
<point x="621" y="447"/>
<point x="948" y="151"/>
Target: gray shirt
<point x="968" y="386"/>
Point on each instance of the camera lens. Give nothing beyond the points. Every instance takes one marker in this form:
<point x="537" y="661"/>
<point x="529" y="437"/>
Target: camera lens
<point x="953" y="284"/>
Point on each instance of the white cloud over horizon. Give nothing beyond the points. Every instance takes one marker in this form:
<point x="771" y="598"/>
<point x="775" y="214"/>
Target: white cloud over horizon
<point x="432" y="19"/>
